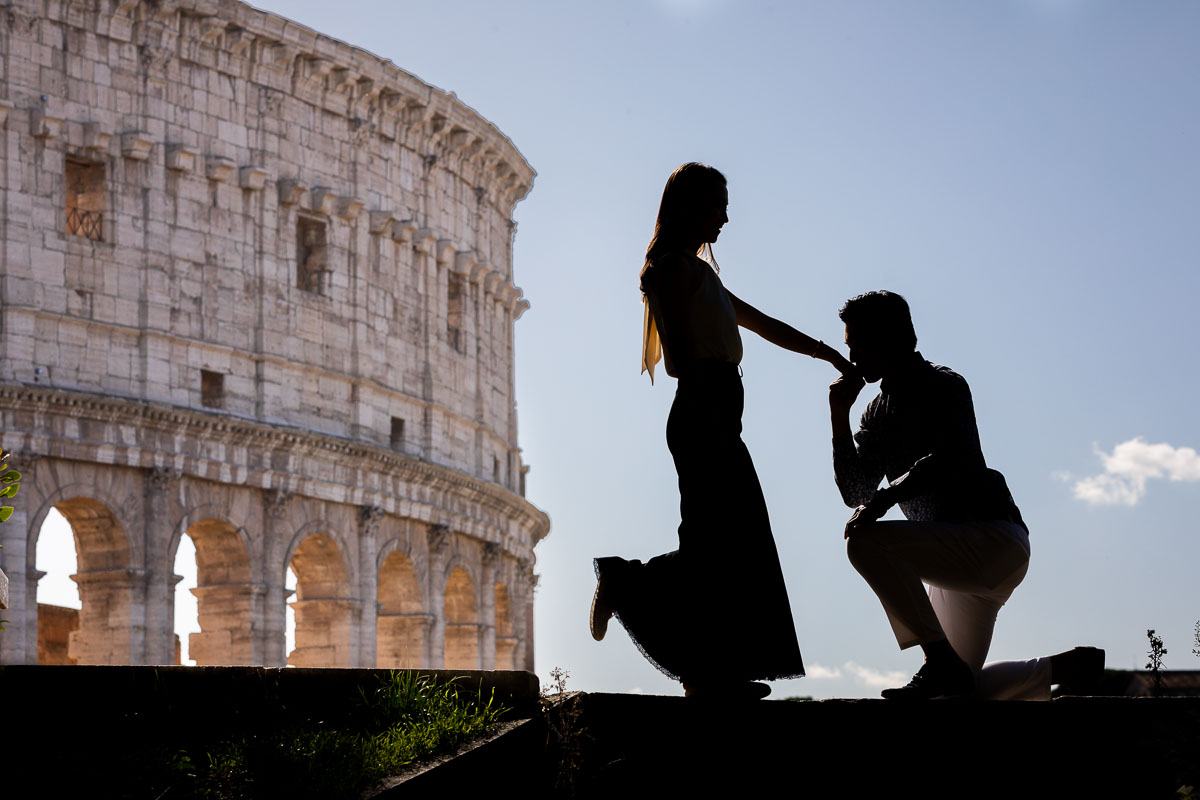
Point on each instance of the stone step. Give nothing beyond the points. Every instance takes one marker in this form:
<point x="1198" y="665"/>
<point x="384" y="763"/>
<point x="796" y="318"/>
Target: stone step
<point x="632" y="746"/>
<point x="1083" y="746"/>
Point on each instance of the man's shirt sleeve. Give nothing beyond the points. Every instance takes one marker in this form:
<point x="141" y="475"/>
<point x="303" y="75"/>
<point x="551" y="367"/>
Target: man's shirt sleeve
<point x="857" y="465"/>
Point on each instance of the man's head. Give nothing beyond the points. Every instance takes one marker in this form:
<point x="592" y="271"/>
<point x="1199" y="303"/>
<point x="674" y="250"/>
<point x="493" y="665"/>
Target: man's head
<point x="879" y="333"/>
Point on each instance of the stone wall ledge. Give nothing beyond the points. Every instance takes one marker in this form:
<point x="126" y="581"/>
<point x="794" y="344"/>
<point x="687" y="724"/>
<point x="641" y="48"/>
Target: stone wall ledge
<point x="88" y="699"/>
<point x="332" y="468"/>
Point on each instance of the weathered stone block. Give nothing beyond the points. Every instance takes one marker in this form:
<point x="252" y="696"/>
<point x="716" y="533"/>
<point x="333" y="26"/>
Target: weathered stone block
<point x="135" y="145"/>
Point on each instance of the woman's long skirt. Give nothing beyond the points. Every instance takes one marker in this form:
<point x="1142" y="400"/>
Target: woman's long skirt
<point x="716" y="609"/>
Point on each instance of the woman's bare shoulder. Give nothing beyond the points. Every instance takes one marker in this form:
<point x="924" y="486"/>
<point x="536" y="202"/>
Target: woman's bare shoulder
<point x="673" y="274"/>
<point x="674" y="265"/>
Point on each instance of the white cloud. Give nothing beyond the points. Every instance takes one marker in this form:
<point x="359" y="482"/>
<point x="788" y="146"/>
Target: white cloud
<point x="872" y="678"/>
<point x="877" y="679"/>
<point x="817" y="672"/>
<point x="1130" y="465"/>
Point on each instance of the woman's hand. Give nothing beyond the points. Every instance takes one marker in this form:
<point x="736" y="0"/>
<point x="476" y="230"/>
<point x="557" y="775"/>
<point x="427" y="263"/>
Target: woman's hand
<point x="843" y="365"/>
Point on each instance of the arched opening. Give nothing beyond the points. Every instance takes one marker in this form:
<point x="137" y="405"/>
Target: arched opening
<point x="186" y="609"/>
<point x="224" y="595"/>
<point x="462" y="622"/>
<point x="323" y="606"/>
<point x="506" y="642"/>
<point x="402" y="623"/>
<point x="58" y="603"/>
<point x="106" y="583"/>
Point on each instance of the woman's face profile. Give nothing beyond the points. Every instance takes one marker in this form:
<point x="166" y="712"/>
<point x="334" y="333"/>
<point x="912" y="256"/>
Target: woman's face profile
<point x="713" y="215"/>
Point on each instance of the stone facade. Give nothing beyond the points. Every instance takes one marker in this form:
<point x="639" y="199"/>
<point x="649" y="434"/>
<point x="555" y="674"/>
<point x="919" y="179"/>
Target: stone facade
<point x="256" y="288"/>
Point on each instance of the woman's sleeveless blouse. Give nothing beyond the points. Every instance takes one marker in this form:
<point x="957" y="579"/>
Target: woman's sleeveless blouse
<point x="707" y="316"/>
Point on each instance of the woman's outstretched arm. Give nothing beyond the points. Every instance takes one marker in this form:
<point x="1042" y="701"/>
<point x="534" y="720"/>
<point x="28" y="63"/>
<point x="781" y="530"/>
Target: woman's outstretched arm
<point x="784" y="335"/>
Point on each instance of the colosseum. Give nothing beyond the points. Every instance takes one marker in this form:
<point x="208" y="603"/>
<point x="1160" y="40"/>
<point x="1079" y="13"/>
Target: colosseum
<point x="257" y="290"/>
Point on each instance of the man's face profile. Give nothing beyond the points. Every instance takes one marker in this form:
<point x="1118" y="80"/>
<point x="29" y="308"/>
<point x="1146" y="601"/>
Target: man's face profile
<point x="866" y="352"/>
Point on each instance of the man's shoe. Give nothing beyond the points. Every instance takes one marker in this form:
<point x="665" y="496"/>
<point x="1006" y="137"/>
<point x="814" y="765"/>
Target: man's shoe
<point x="603" y="604"/>
<point x="933" y="680"/>
<point x="1083" y="670"/>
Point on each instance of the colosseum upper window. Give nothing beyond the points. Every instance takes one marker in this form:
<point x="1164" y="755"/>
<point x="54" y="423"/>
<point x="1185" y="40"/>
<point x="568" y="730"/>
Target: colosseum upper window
<point x="312" y="256"/>
<point x="455" y="313"/>
<point x="212" y="389"/>
<point x="397" y="438"/>
<point x="85" y="199"/>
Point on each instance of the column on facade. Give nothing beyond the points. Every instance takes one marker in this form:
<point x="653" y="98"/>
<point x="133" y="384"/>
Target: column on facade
<point x="464" y="269"/>
<point x="514" y="307"/>
<point x="18" y="640"/>
<point x="157" y="610"/>
<point x="488" y="281"/>
<point x="369" y="519"/>
<point x="439" y="544"/>
<point x="270" y="639"/>
<point x="425" y="265"/>
<point x="524" y="625"/>
<point x="487" y="610"/>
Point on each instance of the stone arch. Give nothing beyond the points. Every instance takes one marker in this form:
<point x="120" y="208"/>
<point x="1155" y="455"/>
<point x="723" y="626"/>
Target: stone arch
<point x="324" y="605"/>
<point x="109" y="586"/>
<point x="215" y="512"/>
<point x="225" y="591"/>
<point x="506" y="639"/>
<point x="461" y="615"/>
<point x="102" y="505"/>
<point x="326" y="528"/>
<point x="402" y="627"/>
<point x="114" y="507"/>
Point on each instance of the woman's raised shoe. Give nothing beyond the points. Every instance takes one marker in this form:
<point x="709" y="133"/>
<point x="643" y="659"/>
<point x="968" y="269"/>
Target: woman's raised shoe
<point x="608" y="575"/>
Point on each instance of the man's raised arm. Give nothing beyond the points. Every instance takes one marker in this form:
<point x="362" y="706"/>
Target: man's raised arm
<point x="856" y="469"/>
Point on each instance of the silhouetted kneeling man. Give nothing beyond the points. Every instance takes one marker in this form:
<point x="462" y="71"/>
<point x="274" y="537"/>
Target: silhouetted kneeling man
<point x="963" y="535"/>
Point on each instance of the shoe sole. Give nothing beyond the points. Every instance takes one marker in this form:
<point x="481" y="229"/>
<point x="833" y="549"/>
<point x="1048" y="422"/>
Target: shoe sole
<point x="598" y="623"/>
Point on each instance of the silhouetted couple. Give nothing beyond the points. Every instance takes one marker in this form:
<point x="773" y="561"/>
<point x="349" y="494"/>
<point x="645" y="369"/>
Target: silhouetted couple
<point x="714" y="614"/>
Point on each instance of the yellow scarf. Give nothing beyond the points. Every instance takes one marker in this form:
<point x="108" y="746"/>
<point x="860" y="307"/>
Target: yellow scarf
<point x="651" y="346"/>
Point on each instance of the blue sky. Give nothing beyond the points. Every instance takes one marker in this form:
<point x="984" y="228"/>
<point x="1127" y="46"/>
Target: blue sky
<point x="1026" y="173"/>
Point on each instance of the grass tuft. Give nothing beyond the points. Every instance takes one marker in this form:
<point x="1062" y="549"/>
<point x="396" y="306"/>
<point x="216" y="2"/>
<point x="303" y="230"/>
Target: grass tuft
<point x="405" y="719"/>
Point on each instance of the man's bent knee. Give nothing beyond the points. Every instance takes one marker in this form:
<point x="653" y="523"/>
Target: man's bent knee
<point x="865" y="544"/>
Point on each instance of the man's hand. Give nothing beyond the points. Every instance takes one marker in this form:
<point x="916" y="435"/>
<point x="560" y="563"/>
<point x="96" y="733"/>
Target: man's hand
<point x="864" y="515"/>
<point x="843" y="392"/>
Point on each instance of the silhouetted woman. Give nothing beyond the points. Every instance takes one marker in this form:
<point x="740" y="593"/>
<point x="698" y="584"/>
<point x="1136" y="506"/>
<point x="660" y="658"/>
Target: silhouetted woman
<point x="713" y="614"/>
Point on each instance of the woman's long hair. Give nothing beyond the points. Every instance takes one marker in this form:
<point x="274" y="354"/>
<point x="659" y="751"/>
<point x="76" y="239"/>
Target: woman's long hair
<point x="687" y="195"/>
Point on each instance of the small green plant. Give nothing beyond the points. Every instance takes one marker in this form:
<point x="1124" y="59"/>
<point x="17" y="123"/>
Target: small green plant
<point x="10" y="482"/>
<point x="558" y="679"/>
<point x="563" y="714"/>
<point x="1155" y="664"/>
